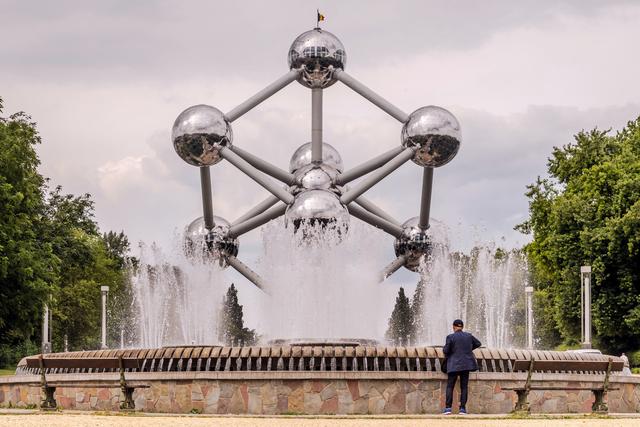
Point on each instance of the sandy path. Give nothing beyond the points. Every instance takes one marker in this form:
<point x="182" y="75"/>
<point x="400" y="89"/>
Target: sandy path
<point x="72" y="420"/>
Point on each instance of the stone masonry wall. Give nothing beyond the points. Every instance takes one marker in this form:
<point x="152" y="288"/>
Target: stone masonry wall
<point x="326" y="395"/>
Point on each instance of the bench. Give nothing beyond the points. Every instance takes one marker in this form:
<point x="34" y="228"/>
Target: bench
<point x="102" y="363"/>
<point x="599" y="392"/>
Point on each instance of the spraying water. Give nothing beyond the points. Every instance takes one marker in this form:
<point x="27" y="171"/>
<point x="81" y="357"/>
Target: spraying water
<point x="324" y="285"/>
<point x="481" y="287"/>
<point x="178" y="298"/>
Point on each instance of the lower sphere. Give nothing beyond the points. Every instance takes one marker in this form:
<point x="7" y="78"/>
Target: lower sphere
<point x="215" y="244"/>
<point x="413" y="244"/>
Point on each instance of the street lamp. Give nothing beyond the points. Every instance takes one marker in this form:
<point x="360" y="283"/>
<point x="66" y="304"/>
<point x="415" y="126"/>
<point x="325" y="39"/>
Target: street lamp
<point x="529" y="292"/>
<point x="46" y="328"/>
<point x="105" y="292"/>
<point x="585" y="298"/>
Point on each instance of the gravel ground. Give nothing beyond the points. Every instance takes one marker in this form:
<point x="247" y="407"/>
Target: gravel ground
<point x="73" y="420"/>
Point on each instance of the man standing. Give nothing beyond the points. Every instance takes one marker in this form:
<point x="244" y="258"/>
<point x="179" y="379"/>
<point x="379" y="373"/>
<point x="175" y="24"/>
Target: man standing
<point x="460" y="361"/>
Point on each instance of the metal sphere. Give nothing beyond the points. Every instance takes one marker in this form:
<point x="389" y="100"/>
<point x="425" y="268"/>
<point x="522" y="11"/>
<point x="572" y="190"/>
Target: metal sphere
<point x="214" y="243"/>
<point x="317" y="52"/>
<point x="316" y="207"/>
<point x="315" y="177"/>
<point x="436" y="134"/>
<point x="302" y="157"/>
<point x="413" y="244"/>
<point x="199" y="133"/>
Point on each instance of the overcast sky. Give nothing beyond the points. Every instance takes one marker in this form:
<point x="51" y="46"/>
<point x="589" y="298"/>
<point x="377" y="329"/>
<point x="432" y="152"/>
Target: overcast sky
<point x="105" y="81"/>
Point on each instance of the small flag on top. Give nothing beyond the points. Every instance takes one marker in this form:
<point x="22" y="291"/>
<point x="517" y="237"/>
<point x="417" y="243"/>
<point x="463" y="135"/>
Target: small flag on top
<point x="320" y="18"/>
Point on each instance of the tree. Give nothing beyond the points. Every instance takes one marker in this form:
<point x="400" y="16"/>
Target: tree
<point x="417" y="310"/>
<point x="50" y="250"/>
<point x="27" y="262"/>
<point x="231" y="329"/>
<point x="401" y="327"/>
<point x="587" y="212"/>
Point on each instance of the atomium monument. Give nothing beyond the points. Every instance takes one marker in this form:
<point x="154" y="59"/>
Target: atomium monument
<point x="313" y="192"/>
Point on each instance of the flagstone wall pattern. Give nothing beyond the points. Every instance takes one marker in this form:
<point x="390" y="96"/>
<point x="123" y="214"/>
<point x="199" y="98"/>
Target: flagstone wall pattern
<point x="329" y="396"/>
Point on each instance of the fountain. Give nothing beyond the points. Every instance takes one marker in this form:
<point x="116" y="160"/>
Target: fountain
<point x="321" y="282"/>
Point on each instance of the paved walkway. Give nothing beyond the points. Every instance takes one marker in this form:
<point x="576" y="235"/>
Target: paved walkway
<point x="14" y="419"/>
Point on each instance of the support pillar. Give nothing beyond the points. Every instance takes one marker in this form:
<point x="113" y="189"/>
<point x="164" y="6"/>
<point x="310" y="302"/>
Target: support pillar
<point x="316" y="125"/>
<point x="207" y="198"/>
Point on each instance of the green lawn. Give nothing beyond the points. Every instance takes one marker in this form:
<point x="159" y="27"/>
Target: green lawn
<point x="5" y="371"/>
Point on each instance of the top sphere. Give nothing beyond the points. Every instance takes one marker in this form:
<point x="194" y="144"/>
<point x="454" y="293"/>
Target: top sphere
<point x="436" y="134"/>
<point x="302" y="157"/>
<point x="199" y="133"/>
<point x="315" y="51"/>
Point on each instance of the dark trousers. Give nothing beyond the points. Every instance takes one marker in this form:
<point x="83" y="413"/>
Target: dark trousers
<point x="451" y="383"/>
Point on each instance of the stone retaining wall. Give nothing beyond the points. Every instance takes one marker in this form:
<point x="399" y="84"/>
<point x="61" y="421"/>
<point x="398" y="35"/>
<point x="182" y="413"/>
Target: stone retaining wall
<point x="321" y="392"/>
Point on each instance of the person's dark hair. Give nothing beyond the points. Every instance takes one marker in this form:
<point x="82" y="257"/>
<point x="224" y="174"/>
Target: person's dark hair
<point x="458" y="323"/>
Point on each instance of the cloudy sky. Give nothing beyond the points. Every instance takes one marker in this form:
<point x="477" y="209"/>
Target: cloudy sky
<point x="105" y="81"/>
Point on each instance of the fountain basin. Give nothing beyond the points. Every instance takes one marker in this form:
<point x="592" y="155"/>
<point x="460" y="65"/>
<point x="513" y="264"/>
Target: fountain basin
<point x="404" y="380"/>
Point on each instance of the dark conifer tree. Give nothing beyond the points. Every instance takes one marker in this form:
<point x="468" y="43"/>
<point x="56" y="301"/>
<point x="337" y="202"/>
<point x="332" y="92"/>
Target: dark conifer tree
<point x="231" y="330"/>
<point x="417" y="307"/>
<point x="400" y="330"/>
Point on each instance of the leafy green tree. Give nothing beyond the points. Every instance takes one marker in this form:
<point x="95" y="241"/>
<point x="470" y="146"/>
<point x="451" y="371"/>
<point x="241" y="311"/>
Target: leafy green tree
<point x="587" y="212"/>
<point x="232" y="330"/>
<point x="401" y="326"/>
<point x="27" y="262"/>
<point x="50" y="250"/>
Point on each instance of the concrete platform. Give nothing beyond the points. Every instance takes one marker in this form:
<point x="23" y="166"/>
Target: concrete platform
<point x="317" y="393"/>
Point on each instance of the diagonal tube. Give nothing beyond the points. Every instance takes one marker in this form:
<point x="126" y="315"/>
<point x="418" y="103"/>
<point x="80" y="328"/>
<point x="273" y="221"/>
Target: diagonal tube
<point x="425" y="202"/>
<point x="262" y="95"/>
<point x="375" y="220"/>
<point x="258" y="209"/>
<point x="368" y="166"/>
<point x="244" y="269"/>
<point x="377" y="176"/>
<point x="374" y="209"/>
<point x="393" y="267"/>
<point x="370" y="95"/>
<point x="316" y="125"/>
<point x="263" y="165"/>
<point x="207" y="199"/>
<point x="255" y="174"/>
<point x="256" y="221"/>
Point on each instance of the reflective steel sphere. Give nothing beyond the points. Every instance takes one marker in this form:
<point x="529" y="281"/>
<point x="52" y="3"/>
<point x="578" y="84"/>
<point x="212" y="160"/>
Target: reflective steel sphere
<point x="316" y="51"/>
<point x="198" y="134"/>
<point x="214" y="243"/>
<point x="302" y="157"/>
<point x="436" y="134"/>
<point x="316" y="207"/>
<point x="414" y="243"/>
<point x="315" y="177"/>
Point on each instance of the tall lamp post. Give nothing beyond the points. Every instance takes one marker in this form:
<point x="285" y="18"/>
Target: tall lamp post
<point x="46" y="329"/>
<point x="105" y="292"/>
<point x="585" y="298"/>
<point x="529" y="292"/>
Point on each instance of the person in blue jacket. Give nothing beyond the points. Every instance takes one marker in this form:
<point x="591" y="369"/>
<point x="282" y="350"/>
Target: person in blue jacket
<point x="460" y="361"/>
